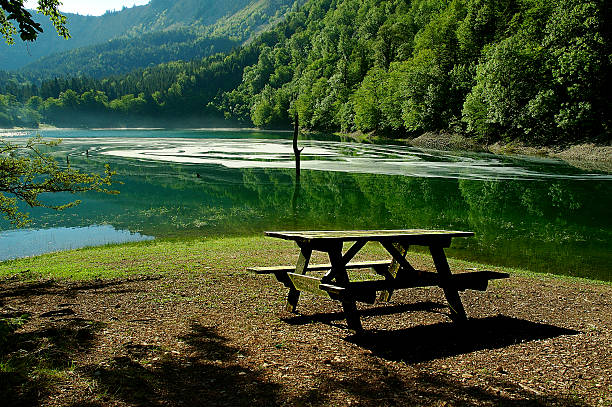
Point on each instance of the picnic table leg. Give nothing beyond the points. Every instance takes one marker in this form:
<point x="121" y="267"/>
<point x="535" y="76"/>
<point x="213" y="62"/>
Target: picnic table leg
<point x="457" y="312"/>
<point x="349" y="306"/>
<point x="391" y="273"/>
<point x="300" y="268"/>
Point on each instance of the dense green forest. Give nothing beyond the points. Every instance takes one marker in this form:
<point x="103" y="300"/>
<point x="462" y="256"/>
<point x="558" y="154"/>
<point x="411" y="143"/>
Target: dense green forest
<point x="160" y="21"/>
<point x="125" y="54"/>
<point x="529" y="70"/>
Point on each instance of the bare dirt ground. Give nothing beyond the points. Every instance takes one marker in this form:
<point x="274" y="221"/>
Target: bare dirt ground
<point x="221" y="337"/>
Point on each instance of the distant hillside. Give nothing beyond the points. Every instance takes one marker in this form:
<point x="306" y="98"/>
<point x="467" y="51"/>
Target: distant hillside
<point x="256" y="17"/>
<point x="530" y="71"/>
<point x="81" y="28"/>
<point x="122" y="55"/>
<point x="237" y="19"/>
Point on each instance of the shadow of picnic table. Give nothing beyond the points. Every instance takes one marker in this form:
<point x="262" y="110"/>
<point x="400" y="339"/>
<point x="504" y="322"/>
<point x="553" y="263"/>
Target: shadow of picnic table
<point x="422" y="343"/>
<point x="338" y="319"/>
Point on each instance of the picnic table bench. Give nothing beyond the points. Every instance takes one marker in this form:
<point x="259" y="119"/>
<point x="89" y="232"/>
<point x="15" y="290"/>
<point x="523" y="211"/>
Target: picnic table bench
<point x="397" y="273"/>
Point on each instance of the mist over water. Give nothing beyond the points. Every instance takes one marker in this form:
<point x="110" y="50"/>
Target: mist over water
<point x="534" y="213"/>
<point x="336" y="156"/>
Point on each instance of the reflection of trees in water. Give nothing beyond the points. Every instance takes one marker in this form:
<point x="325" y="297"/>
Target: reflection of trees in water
<point x="545" y="210"/>
<point x="545" y="226"/>
<point x="554" y="226"/>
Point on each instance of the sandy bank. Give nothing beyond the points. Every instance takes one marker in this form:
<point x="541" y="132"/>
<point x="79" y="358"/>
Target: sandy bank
<point x="587" y="156"/>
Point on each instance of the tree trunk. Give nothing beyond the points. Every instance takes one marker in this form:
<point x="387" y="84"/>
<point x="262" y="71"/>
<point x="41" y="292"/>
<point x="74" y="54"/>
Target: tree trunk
<point x="296" y="150"/>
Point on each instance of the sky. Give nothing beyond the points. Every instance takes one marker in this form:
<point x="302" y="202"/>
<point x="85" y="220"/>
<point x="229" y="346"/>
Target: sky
<point x="91" y="7"/>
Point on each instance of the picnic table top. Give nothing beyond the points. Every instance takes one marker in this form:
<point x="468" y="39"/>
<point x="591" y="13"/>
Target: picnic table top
<point x="373" y="235"/>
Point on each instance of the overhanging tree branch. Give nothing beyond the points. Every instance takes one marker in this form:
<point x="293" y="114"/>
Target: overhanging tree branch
<point x="14" y="18"/>
<point x="26" y="172"/>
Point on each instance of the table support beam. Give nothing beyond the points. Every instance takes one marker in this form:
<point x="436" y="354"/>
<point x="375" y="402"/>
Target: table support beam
<point x="337" y="264"/>
<point x="398" y="255"/>
<point x="302" y="265"/>
<point x="350" y="253"/>
<point x="338" y="271"/>
<point x="457" y="312"/>
<point x="398" y="252"/>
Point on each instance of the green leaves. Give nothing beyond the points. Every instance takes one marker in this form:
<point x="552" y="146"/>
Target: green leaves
<point x="13" y="12"/>
<point x="366" y="100"/>
<point x="507" y="79"/>
<point x="514" y="70"/>
<point x="528" y="70"/>
<point x="545" y="83"/>
<point x="27" y="172"/>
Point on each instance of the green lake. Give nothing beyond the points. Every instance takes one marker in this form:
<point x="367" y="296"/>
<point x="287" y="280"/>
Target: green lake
<point x="538" y="214"/>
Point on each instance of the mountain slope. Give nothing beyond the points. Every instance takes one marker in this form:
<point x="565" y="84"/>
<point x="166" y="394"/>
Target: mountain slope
<point x="198" y="16"/>
<point x="124" y="54"/>
<point x="256" y="17"/>
<point x="535" y="72"/>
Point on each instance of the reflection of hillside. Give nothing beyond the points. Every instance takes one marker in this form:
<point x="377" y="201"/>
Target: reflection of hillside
<point x="547" y="226"/>
<point x="541" y="226"/>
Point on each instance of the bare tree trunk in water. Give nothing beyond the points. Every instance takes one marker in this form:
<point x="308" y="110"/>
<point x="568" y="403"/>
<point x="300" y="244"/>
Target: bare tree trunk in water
<point x="296" y="151"/>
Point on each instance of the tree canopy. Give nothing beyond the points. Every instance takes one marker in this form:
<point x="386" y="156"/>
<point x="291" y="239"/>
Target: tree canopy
<point x="26" y="171"/>
<point x="14" y="18"/>
<point x="534" y="71"/>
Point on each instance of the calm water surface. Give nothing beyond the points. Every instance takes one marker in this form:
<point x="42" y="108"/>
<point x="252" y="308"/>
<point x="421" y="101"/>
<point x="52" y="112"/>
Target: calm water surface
<point x="538" y="214"/>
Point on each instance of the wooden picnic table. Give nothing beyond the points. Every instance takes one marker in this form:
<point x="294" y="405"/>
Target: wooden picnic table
<point x="397" y="272"/>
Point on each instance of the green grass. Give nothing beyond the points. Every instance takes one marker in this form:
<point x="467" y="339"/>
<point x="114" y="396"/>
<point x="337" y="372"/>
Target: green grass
<point x="190" y="257"/>
<point x="119" y="261"/>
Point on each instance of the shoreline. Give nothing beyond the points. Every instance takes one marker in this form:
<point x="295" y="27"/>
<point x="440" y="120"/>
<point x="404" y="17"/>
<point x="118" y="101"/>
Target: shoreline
<point x="55" y="258"/>
<point x="585" y="156"/>
<point x="217" y="128"/>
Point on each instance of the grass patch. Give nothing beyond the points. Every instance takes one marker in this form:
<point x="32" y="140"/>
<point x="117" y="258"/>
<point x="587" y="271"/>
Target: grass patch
<point x="9" y="323"/>
<point x="193" y="257"/>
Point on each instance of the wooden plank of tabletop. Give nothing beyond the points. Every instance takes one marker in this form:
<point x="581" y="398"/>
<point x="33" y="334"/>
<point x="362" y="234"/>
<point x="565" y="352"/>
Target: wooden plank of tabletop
<point x="373" y="235"/>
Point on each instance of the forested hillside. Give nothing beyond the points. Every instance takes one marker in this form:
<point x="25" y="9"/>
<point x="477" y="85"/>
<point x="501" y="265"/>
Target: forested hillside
<point x="143" y="27"/>
<point x="530" y="70"/>
<point x="125" y="54"/>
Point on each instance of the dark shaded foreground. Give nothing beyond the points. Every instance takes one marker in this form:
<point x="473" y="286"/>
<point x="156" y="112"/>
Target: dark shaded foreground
<point x="427" y="342"/>
<point x="63" y="354"/>
<point x="210" y="375"/>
